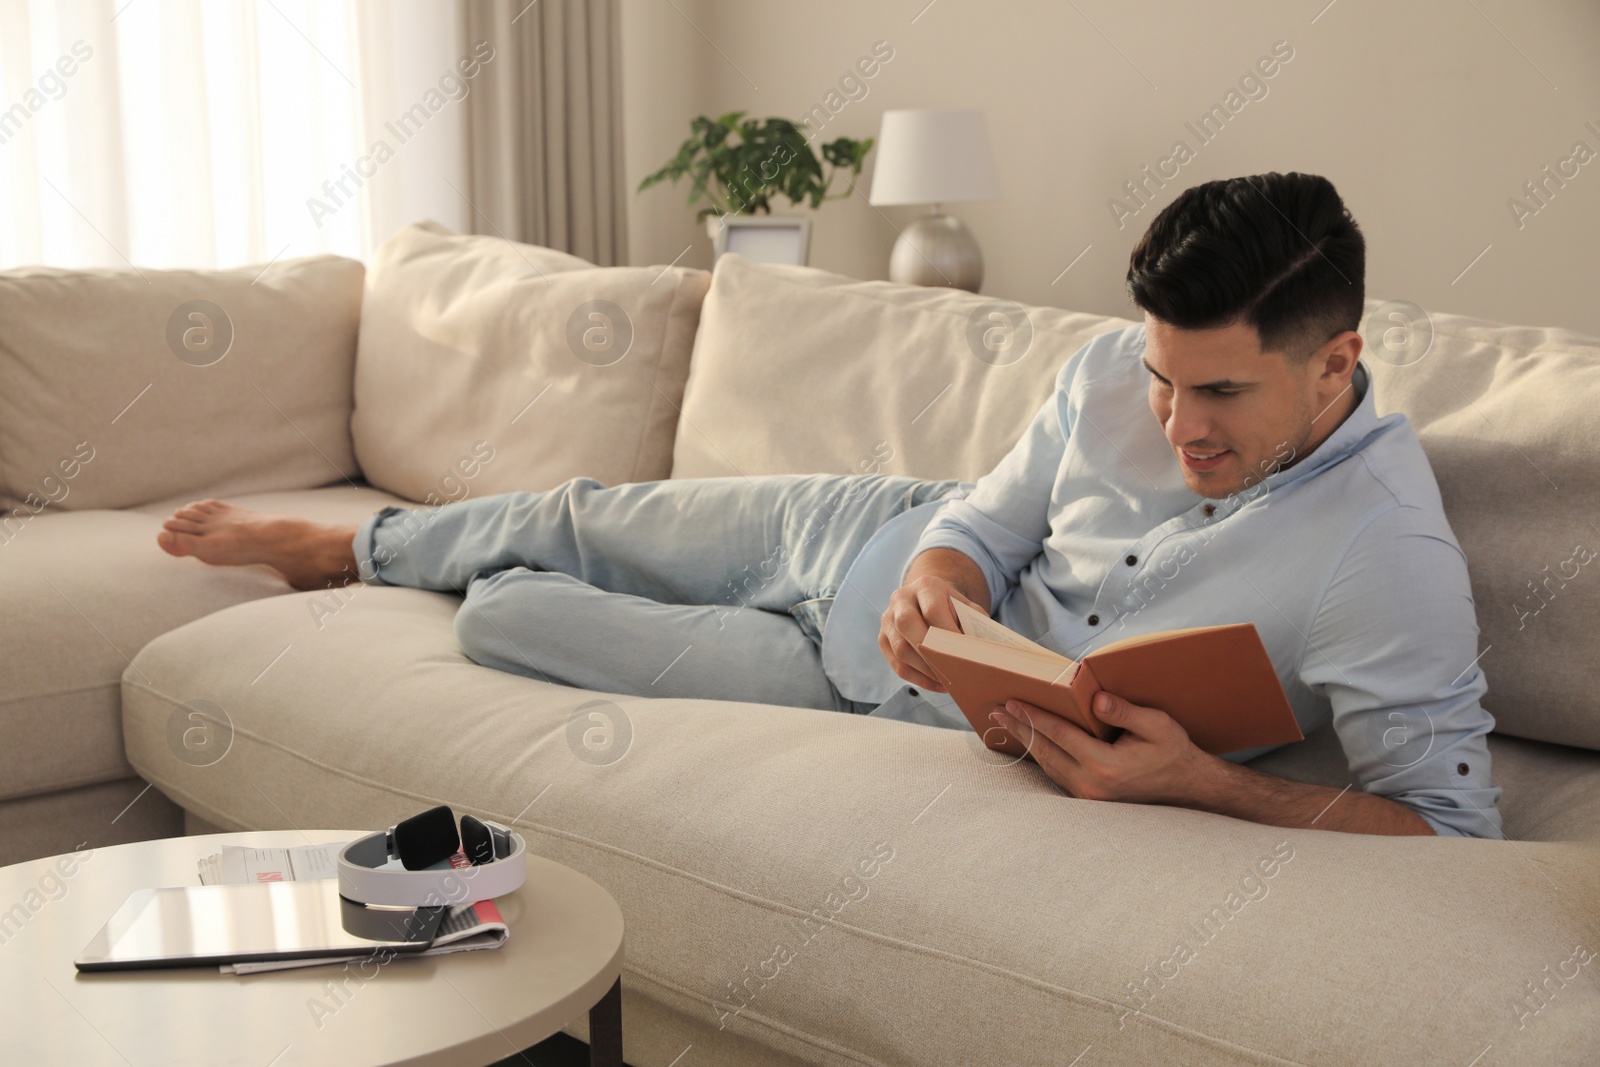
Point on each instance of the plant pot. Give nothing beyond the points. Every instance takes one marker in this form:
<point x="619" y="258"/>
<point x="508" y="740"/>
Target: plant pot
<point x="762" y="238"/>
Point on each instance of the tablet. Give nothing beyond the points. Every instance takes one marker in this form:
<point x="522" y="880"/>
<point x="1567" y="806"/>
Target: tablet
<point x="185" y="926"/>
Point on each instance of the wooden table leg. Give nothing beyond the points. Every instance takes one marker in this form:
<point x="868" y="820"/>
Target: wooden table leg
<point x="605" y="1029"/>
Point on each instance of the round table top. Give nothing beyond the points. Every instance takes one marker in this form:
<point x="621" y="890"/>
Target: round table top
<point x="462" y="1010"/>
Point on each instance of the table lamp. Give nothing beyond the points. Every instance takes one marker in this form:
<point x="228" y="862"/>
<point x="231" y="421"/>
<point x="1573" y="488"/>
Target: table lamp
<point x="936" y="157"/>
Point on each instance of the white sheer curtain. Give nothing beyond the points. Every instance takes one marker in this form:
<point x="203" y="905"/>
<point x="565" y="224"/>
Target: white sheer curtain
<point x="175" y="133"/>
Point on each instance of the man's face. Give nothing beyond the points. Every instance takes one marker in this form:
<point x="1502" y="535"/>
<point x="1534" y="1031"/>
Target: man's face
<point x="1232" y="413"/>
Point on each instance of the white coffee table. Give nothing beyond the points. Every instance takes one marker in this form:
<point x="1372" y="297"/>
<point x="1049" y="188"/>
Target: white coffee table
<point x="470" y="1009"/>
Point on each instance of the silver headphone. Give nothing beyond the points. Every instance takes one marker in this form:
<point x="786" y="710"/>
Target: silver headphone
<point x="429" y="873"/>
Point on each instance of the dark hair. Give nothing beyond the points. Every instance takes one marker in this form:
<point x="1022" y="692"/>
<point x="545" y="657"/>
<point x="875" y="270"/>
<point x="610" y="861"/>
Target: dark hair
<point x="1279" y="252"/>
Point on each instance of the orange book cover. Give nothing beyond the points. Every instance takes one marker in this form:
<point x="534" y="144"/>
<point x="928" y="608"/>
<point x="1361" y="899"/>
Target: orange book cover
<point x="1216" y="681"/>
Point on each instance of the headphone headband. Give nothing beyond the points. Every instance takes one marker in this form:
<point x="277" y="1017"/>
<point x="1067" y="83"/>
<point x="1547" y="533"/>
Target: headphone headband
<point x="367" y="876"/>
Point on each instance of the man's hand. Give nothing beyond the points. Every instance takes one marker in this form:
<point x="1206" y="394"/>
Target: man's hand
<point x="914" y="609"/>
<point x="1152" y="762"/>
<point x="1155" y="762"/>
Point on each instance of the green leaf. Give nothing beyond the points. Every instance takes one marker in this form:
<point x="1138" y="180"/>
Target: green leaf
<point x="739" y="164"/>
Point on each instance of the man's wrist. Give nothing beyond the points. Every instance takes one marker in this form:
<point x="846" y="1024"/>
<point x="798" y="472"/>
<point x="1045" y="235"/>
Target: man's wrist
<point x="1210" y="783"/>
<point x="955" y="567"/>
<point x="1227" y="788"/>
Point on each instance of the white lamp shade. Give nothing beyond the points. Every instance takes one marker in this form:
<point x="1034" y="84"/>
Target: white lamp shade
<point x="933" y="156"/>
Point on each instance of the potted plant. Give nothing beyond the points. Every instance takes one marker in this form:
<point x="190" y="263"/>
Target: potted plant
<point x="737" y="165"/>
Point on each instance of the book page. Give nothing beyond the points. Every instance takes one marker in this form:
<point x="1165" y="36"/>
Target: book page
<point x="975" y="623"/>
<point x="1033" y="662"/>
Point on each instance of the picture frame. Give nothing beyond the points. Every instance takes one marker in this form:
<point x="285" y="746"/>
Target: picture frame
<point x="764" y="238"/>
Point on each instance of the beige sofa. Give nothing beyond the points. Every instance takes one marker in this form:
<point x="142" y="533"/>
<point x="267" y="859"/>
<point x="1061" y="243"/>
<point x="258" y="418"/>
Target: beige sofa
<point x="800" y="886"/>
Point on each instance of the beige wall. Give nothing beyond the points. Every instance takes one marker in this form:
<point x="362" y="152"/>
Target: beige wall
<point x="665" y="83"/>
<point x="1428" y="117"/>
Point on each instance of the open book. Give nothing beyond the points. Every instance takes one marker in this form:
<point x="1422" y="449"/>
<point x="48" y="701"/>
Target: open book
<point x="1216" y="681"/>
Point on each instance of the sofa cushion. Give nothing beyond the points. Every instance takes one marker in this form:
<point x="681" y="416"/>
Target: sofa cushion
<point x="487" y="366"/>
<point x="84" y="591"/>
<point x="1508" y="417"/>
<point x="122" y="387"/>
<point x="847" y="890"/>
<point x="797" y="371"/>
<point x="109" y="813"/>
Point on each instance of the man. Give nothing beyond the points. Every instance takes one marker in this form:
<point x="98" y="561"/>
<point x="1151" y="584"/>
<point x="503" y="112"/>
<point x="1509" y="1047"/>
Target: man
<point x="1222" y="462"/>
<point x="1266" y="490"/>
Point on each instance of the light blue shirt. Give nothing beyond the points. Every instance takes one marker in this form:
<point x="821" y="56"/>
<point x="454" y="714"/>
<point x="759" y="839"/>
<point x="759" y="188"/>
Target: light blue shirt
<point x="1344" y="561"/>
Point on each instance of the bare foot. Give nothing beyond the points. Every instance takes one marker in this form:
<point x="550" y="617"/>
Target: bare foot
<point x="310" y="555"/>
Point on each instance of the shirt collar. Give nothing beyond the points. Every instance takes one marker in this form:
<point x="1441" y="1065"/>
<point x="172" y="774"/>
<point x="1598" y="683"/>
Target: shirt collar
<point x="1348" y="437"/>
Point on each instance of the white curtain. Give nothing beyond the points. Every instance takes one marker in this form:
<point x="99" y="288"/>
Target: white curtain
<point x="176" y="133"/>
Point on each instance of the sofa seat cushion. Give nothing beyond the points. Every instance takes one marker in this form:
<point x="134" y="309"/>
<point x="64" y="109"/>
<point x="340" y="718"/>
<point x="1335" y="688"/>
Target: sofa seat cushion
<point x="84" y="591"/>
<point x="92" y="816"/>
<point x="849" y="890"/>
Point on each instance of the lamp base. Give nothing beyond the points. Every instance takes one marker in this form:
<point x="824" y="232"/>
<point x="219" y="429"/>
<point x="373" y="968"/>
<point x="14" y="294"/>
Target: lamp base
<point x="937" y="250"/>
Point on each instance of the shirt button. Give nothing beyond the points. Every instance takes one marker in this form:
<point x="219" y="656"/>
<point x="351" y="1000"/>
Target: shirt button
<point x="1461" y="768"/>
<point x="912" y="690"/>
<point x="1131" y="560"/>
<point x="1210" y="510"/>
<point x="1094" y="620"/>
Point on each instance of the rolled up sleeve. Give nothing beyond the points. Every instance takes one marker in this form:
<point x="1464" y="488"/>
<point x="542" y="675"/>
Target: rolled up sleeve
<point x="1393" y="647"/>
<point x="1002" y="524"/>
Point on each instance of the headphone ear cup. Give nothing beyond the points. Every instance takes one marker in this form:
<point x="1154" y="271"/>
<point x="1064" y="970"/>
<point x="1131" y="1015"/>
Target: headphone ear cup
<point x="476" y="840"/>
<point x="425" y="839"/>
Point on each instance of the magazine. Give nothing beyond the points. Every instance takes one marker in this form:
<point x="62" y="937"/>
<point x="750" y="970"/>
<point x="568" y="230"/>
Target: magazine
<point x="466" y="927"/>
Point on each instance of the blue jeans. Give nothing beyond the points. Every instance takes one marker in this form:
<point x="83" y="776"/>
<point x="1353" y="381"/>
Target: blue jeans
<point x="715" y="588"/>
